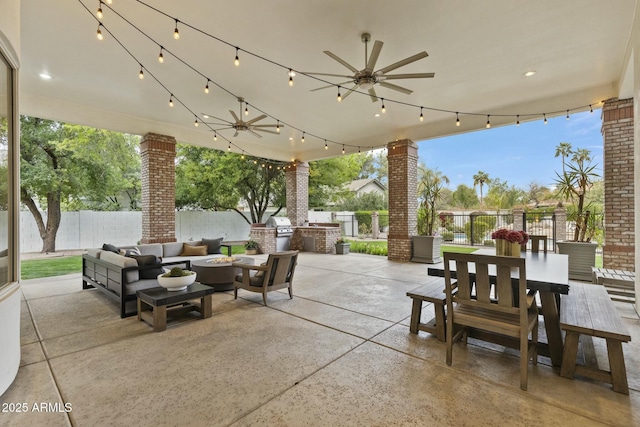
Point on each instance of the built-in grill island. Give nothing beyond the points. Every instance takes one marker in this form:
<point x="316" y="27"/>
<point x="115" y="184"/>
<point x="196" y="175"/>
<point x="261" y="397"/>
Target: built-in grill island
<point x="284" y="231"/>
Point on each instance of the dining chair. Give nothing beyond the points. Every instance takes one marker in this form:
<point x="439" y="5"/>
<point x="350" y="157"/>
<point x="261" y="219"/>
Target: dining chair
<point x="276" y="273"/>
<point x="508" y="309"/>
<point x="535" y="242"/>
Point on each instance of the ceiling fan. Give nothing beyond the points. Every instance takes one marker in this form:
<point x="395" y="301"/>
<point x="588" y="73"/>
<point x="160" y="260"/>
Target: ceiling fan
<point x="367" y="78"/>
<point x="240" y="125"/>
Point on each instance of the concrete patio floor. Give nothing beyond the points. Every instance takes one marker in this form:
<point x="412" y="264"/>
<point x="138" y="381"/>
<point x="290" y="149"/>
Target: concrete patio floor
<point x="338" y="354"/>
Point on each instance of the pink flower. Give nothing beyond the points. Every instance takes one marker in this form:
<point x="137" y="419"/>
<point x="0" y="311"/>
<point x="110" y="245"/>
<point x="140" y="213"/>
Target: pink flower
<point x="500" y="234"/>
<point x="520" y="237"/>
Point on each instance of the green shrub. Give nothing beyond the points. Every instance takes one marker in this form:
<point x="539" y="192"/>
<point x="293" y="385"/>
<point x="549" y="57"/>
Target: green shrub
<point x="489" y="243"/>
<point x="447" y="236"/>
<point x="480" y="229"/>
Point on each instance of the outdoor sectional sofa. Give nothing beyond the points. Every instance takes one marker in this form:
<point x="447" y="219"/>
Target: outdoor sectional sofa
<point x="120" y="276"/>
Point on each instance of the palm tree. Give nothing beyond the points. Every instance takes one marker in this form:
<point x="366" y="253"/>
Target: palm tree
<point x="563" y="149"/>
<point x="480" y="179"/>
<point x="430" y="188"/>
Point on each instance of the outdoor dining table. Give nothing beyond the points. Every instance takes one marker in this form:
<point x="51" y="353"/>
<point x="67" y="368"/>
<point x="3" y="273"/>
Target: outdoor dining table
<point x="548" y="273"/>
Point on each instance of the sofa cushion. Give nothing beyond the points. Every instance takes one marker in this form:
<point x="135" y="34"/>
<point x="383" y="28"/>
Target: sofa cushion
<point x="171" y="249"/>
<point x="149" y="260"/>
<point x="111" y="248"/>
<point x="151" y="249"/>
<point x="188" y="250"/>
<point x="122" y="262"/>
<point x="213" y="245"/>
<point x="94" y="252"/>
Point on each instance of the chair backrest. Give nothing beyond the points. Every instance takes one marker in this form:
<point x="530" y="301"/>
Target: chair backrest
<point x="281" y="266"/>
<point x="487" y="282"/>
<point x="535" y="242"/>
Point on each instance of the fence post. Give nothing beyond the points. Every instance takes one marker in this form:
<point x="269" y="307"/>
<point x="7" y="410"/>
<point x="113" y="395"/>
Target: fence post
<point x="519" y="220"/>
<point x="375" y="225"/>
<point x="472" y="219"/>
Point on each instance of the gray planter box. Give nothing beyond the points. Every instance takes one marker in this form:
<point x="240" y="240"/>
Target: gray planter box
<point x="343" y="248"/>
<point x="426" y="249"/>
<point x="582" y="256"/>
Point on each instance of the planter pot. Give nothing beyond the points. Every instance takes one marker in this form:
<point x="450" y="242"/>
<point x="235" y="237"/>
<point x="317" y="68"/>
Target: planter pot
<point x="504" y="248"/>
<point x="176" y="283"/>
<point x="343" y="248"/>
<point x="250" y="251"/>
<point x="426" y="249"/>
<point x="582" y="256"/>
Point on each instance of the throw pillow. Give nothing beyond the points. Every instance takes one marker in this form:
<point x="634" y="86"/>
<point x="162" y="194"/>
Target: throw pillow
<point x="213" y="245"/>
<point x="129" y="252"/>
<point x="148" y="260"/>
<point x="188" y="250"/>
<point x="110" y="248"/>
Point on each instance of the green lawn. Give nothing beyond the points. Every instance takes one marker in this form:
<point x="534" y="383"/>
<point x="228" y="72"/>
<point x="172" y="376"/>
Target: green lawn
<point x="35" y="268"/>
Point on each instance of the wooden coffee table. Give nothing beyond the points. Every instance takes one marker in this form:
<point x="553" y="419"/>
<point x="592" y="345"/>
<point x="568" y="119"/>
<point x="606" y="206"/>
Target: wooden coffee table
<point x="156" y="303"/>
<point x="220" y="275"/>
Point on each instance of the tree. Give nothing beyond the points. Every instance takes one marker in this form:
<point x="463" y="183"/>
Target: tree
<point x="465" y="197"/>
<point x="502" y="196"/>
<point x="214" y="180"/>
<point x="61" y="163"/>
<point x="563" y="149"/>
<point x="328" y="177"/>
<point x="480" y="179"/>
<point x="430" y="187"/>
<point x="536" y="193"/>
<point x="371" y="201"/>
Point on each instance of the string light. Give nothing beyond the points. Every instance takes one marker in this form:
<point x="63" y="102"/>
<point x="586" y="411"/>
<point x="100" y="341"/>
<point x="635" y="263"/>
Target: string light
<point x="326" y="147"/>
<point x="206" y="88"/>
<point x="567" y="114"/>
<point x="246" y="108"/>
<point x="339" y="96"/>
<point x="421" y="115"/>
<point x="545" y="118"/>
<point x="171" y="101"/>
<point x="229" y="147"/>
<point x="255" y="162"/>
<point x="242" y="156"/>
<point x="291" y="76"/>
<point x="457" y="119"/>
<point x="215" y="135"/>
<point x="278" y="126"/>
<point x="488" y="122"/>
<point x="302" y="137"/>
<point x="99" y="33"/>
<point x="518" y="120"/>
<point x="358" y="150"/>
<point x="384" y="110"/>
<point x="99" y="12"/>
<point x="109" y="1"/>
<point x="196" y="122"/>
<point x="236" y="61"/>
<point x="161" y="56"/>
<point x="342" y="148"/>
<point x="176" y="33"/>
<point x="141" y="74"/>
<point x="590" y="109"/>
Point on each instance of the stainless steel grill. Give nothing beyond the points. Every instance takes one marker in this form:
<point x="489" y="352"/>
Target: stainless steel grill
<point x="284" y="230"/>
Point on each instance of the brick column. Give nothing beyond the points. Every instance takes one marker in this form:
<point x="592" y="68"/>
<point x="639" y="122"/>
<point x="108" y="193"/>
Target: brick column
<point x="560" y="224"/>
<point x="297" y="176"/>
<point x="518" y="219"/>
<point x="158" y="154"/>
<point x="619" y="231"/>
<point x="403" y="200"/>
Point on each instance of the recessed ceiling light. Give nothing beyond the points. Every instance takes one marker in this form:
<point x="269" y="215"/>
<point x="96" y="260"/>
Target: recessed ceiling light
<point x="290" y="139"/>
<point x="530" y="73"/>
<point x="45" y="76"/>
<point x="376" y="115"/>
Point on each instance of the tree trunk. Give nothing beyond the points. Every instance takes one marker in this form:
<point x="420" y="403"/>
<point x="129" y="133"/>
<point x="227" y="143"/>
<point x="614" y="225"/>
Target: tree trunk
<point x="47" y="232"/>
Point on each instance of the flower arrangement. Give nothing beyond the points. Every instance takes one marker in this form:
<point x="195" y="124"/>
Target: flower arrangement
<point x="511" y="236"/>
<point x="251" y="245"/>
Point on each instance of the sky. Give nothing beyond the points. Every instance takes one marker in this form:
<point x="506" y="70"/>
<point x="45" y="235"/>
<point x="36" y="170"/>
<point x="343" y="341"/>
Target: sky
<point x="517" y="154"/>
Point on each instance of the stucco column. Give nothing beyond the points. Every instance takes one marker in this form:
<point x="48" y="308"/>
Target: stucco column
<point x="518" y="219"/>
<point x="158" y="154"/>
<point x="297" y="176"/>
<point x="619" y="235"/>
<point x="403" y="200"/>
<point x="560" y="224"/>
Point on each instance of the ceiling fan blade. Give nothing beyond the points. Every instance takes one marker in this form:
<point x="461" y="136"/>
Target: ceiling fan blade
<point x="235" y="117"/>
<point x="256" y="119"/>
<point x="235" y="134"/>
<point x="372" y="94"/>
<point x="268" y="131"/>
<point x="404" y="62"/>
<point x="328" y="86"/>
<point x="208" y="116"/>
<point x="216" y="124"/>
<point x="375" y="52"/>
<point x="410" y="76"/>
<point x="267" y="126"/>
<point x="328" y="74"/>
<point x="340" y="60"/>
<point x="350" y="91"/>
<point x="396" y="87"/>
<point x="254" y="133"/>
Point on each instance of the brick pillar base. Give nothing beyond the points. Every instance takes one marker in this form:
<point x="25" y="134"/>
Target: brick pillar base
<point x="403" y="200"/>
<point x="297" y="177"/>
<point x="619" y="231"/>
<point x="158" y="153"/>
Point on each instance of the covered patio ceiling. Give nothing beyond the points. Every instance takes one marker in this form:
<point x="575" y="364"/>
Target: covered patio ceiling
<point x="479" y="52"/>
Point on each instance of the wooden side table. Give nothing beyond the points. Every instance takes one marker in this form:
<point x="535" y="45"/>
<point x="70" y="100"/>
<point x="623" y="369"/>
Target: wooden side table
<point x="155" y="304"/>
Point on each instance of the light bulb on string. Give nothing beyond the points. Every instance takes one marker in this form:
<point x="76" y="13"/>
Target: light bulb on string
<point x="270" y="166"/>
<point x="457" y="119"/>
<point x="141" y="73"/>
<point x="176" y="33"/>
<point x="255" y="162"/>
<point x="488" y="121"/>
<point x="326" y="147"/>
<point x="99" y="33"/>
<point x="567" y="114"/>
<point x="195" y="123"/>
<point x="302" y="140"/>
<point x="590" y="108"/>
<point x="421" y="115"/>
<point x="236" y="61"/>
<point x="206" y="87"/>
<point x="339" y="96"/>
<point x="229" y="147"/>
<point x="384" y="110"/>
<point x="215" y="135"/>
<point x="242" y="156"/>
<point x="160" y="56"/>
<point x="342" y="148"/>
<point x="545" y="118"/>
<point x="263" y="165"/>
<point x="291" y="76"/>
<point x="358" y="150"/>
<point x="171" y="100"/>
<point x="518" y="120"/>
<point x="278" y="126"/>
<point x="246" y="108"/>
<point x="109" y="1"/>
<point x="99" y="12"/>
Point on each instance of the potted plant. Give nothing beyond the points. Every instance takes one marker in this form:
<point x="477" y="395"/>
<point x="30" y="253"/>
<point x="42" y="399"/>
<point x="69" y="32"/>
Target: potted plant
<point x="509" y="242"/>
<point x="177" y="279"/>
<point x="426" y="246"/>
<point x="251" y="247"/>
<point x="572" y="185"/>
<point x="342" y="246"/>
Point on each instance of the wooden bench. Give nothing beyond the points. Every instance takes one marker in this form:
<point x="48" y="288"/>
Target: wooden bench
<point x="433" y="293"/>
<point x="620" y="284"/>
<point x="588" y="310"/>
